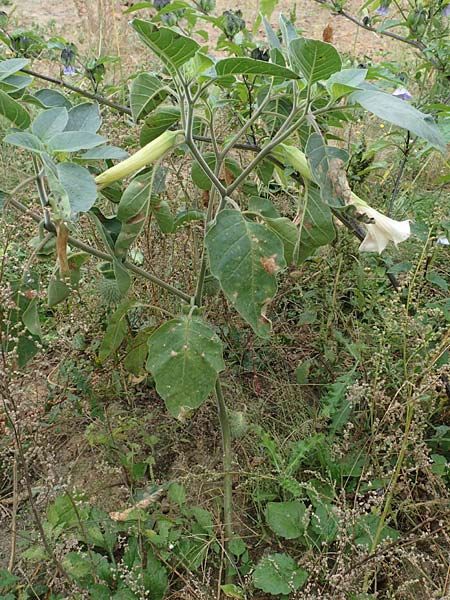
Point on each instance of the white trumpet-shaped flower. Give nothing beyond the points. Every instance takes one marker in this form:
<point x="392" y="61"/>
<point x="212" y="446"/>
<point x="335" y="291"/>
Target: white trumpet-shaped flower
<point x="382" y="230"/>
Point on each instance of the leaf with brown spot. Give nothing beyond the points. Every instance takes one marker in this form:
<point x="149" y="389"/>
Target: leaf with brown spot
<point x="245" y="256"/>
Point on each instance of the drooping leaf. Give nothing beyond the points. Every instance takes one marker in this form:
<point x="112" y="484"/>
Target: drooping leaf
<point x="84" y="117"/>
<point x="278" y="574"/>
<point x="136" y="353"/>
<point x="30" y="318"/>
<point x="116" y="330"/>
<point x="15" y="83"/>
<point x="49" y="122"/>
<point x="79" y="185"/>
<point x="185" y="357"/>
<point x="201" y="179"/>
<point x="251" y="66"/>
<point x="245" y="257"/>
<point x="171" y="47"/>
<point x="287" y="519"/>
<point x="158" y="122"/>
<point x="316" y="227"/>
<point x="163" y="215"/>
<point x="400" y="113"/>
<point x="72" y="141"/>
<point x="57" y="292"/>
<point x="147" y="92"/>
<point x="326" y="164"/>
<point x="13" y="111"/>
<point x="316" y="60"/>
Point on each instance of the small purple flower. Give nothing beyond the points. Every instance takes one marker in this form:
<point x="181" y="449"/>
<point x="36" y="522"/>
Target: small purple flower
<point x="402" y="93"/>
<point x="382" y="10"/>
<point x="446" y="11"/>
<point x="69" y="70"/>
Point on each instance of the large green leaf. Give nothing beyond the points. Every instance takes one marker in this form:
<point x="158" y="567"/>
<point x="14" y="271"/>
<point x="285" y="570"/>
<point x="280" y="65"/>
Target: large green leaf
<point x="50" y="122"/>
<point x="316" y="227"/>
<point x="14" y="83"/>
<point x="316" y="60"/>
<point x="105" y="152"/>
<point x="251" y="66"/>
<point x="173" y="48"/>
<point x="72" y="141"/>
<point x="147" y="92"/>
<point x="399" y="112"/>
<point x="278" y="574"/>
<point x="84" y="117"/>
<point x="185" y="357"/>
<point x="287" y="519"/>
<point x="49" y="98"/>
<point x="13" y="111"/>
<point x="79" y="185"/>
<point x="245" y="257"/>
<point x="326" y="164"/>
<point x="11" y="66"/>
<point x="158" y="122"/>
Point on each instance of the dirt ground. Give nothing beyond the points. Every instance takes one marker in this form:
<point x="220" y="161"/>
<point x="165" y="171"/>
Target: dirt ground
<point x="105" y="18"/>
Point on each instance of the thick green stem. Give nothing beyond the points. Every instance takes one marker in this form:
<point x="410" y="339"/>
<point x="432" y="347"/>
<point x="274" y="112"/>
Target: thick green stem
<point x="227" y="468"/>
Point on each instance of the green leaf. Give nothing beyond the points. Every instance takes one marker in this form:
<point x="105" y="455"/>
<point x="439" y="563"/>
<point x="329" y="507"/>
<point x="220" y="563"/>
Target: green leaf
<point x="201" y="179"/>
<point x="278" y="574"/>
<point x="158" y="122"/>
<point x="171" y="47"/>
<point x="49" y="98"/>
<point x="49" y="122"/>
<point x="400" y="113"/>
<point x="325" y="521"/>
<point x="84" y="117"/>
<point x="245" y="257"/>
<point x="57" y="292"/>
<point x="163" y="215"/>
<point x="251" y="66"/>
<point x="154" y="578"/>
<point x="345" y="81"/>
<point x="233" y="591"/>
<point x="13" y="111"/>
<point x="122" y="276"/>
<point x="147" y="92"/>
<point x="366" y="528"/>
<point x="288" y="31"/>
<point x="30" y="318"/>
<point x="72" y="141"/>
<point x="287" y="231"/>
<point x="316" y="60"/>
<point x="7" y="579"/>
<point x="115" y="333"/>
<point x="26" y="140"/>
<point x="105" y="153"/>
<point x="326" y="164"/>
<point x="135" y="198"/>
<point x="287" y="519"/>
<point x="79" y="186"/>
<point x="12" y="65"/>
<point x="185" y="357"/>
<point x="136" y="353"/>
<point x="15" y="83"/>
<point x="316" y="227"/>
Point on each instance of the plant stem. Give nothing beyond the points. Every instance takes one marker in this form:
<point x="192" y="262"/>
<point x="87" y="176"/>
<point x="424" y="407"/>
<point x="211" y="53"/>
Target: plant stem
<point x="103" y="255"/>
<point x="227" y="468"/>
<point x="85" y="93"/>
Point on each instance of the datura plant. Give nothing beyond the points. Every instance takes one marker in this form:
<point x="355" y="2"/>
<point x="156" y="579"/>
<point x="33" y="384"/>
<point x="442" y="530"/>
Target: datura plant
<point x="274" y="104"/>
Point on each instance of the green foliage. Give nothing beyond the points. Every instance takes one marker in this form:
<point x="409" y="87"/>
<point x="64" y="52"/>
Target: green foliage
<point x="228" y="211"/>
